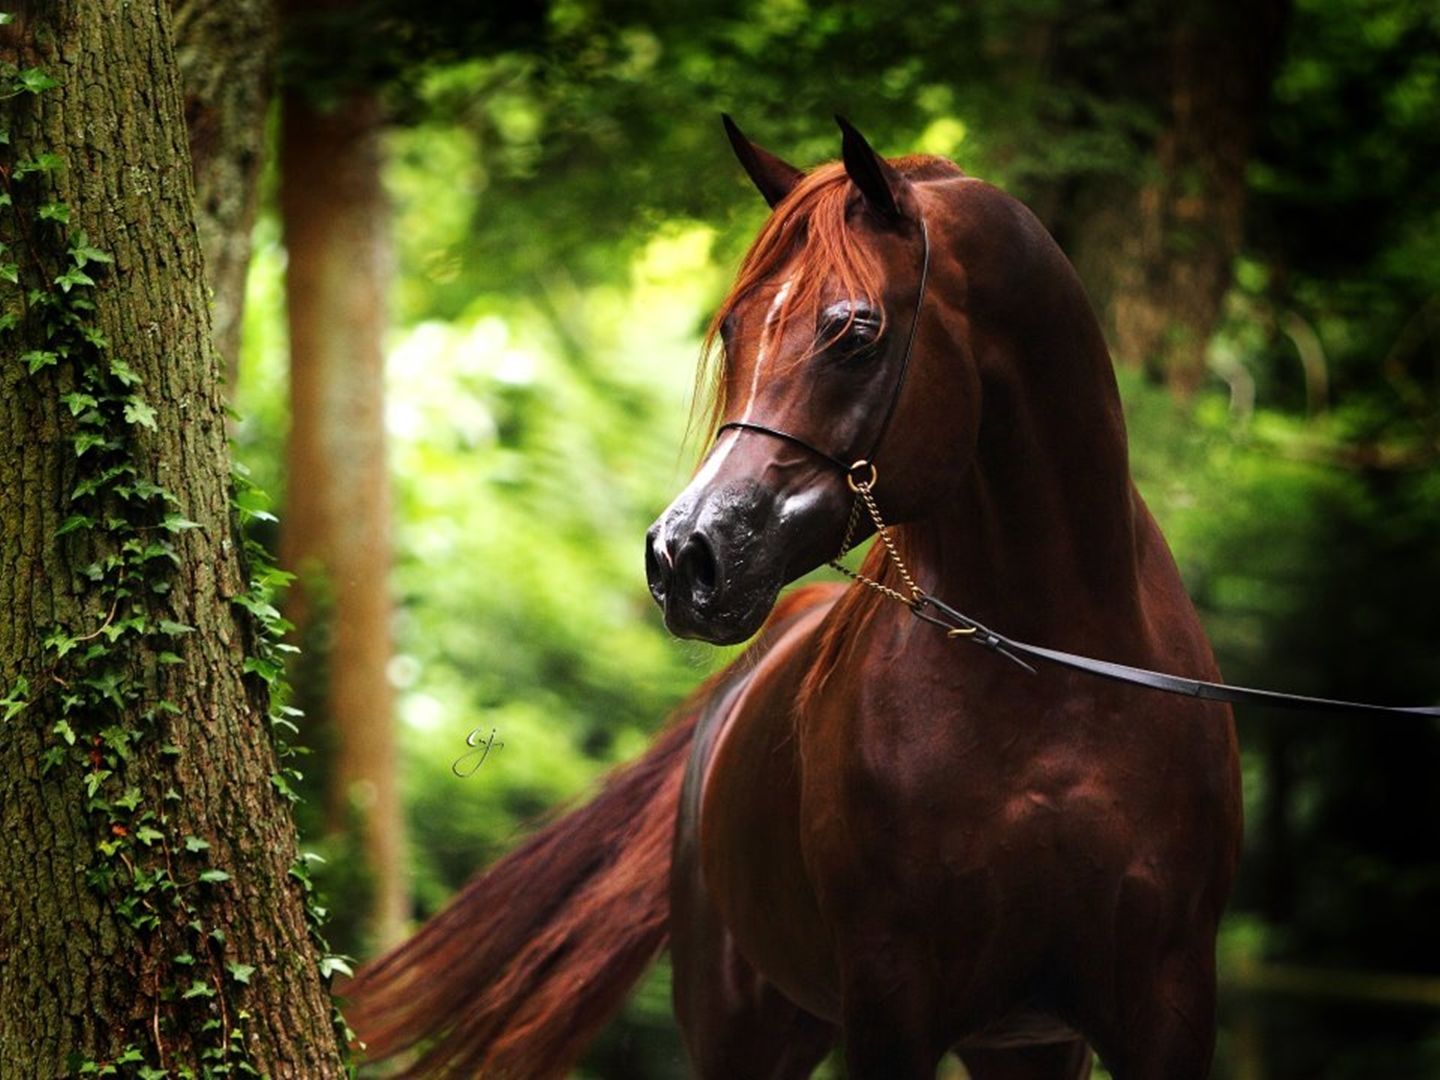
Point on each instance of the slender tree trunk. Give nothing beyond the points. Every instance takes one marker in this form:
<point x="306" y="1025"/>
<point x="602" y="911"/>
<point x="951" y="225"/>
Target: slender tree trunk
<point x="337" y="524"/>
<point x="226" y="50"/>
<point x="1156" y="251"/>
<point x="151" y="919"/>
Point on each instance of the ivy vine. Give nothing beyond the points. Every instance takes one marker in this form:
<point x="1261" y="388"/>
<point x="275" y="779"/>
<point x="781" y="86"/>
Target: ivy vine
<point x="120" y="531"/>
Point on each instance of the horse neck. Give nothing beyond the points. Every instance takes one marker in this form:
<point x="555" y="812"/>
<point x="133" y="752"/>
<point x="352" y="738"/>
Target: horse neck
<point x="1044" y="535"/>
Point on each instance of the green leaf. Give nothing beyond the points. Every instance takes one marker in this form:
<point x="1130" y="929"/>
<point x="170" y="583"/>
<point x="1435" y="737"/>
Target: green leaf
<point x="11" y="273"/>
<point x="72" y="277"/>
<point x="78" y="402"/>
<point x="55" y="211"/>
<point x="87" y="440"/>
<point x="240" y="972"/>
<point x="34" y="80"/>
<point x="138" y="412"/>
<point x="172" y="628"/>
<point x="75" y="521"/>
<point x="329" y="965"/>
<point x="185" y="958"/>
<point x="147" y="835"/>
<point x="214" y="875"/>
<point x="36" y="359"/>
<point x="195" y="843"/>
<point x="199" y="989"/>
<point x="16" y="700"/>
<point x="178" y="522"/>
<point x="65" y="731"/>
<point x="123" y="371"/>
<point x="40" y="163"/>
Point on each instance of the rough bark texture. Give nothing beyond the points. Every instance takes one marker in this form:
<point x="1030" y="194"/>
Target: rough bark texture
<point x="1156" y="255"/>
<point x="75" y="979"/>
<point x="337" y="514"/>
<point x="226" y="50"/>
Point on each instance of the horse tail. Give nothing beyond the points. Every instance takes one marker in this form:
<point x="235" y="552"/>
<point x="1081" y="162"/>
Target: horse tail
<point x="538" y="952"/>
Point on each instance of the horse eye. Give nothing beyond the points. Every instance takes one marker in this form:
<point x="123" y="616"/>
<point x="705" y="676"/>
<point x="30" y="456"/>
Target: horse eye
<point x="848" y="330"/>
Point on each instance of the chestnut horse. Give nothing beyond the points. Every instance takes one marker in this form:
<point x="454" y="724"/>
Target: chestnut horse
<point x="864" y="832"/>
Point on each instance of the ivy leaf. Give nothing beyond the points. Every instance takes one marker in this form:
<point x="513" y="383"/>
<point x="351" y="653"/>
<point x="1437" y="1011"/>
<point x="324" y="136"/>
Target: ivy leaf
<point x="72" y="277"/>
<point x="147" y="835"/>
<point x="178" y="522"/>
<point x="65" y="731"/>
<point x="195" y="843"/>
<point x="172" y="628"/>
<point x="87" y="440"/>
<point x="78" y="402"/>
<point x="123" y="371"/>
<point x="199" y="989"/>
<point x="214" y="875"/>
<point x="138" y="412"/>
<point x="35" y="81"/>
<point x="329" y="965"/>
<point x="55" y="211"/>
<point x="240" y="972"/>
<point x="75" y="521"/>
<point x="11" y="273"/>
<point x="40" y="163"/>
<point x="36" y="359"/>
<point x="16" y="700"/>
<point x="93" y="780"/>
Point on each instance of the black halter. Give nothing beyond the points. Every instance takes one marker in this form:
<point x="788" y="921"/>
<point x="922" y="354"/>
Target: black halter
<point x="856" y="467"/>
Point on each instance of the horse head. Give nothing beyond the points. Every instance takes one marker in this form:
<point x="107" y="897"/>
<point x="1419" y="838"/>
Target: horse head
<point x="834" y="355"/>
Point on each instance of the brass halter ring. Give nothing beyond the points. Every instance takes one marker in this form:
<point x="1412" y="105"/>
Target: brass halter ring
<point x="855" y="471"/>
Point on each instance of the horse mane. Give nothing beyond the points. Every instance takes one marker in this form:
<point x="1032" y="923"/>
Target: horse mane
<point x="809" y="226"/>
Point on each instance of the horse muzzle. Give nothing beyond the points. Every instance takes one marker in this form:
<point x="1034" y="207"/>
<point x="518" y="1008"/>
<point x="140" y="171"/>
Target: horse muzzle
<point x="710" y="567"/>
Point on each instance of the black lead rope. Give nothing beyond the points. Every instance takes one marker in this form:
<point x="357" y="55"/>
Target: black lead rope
<point x="951" y="620"/>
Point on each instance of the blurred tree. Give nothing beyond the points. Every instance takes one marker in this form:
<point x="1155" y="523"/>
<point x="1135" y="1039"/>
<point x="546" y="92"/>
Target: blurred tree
<point x="1155" y="245"/>
<point x="226" y="52"/>
<point x="152" y="917"/>
<point x="336" y="534"/>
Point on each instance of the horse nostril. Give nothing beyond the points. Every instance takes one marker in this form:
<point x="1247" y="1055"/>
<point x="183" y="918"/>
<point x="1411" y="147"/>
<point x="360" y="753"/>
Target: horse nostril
<point x="657" y="565"/>
<point x="696" y="564"/>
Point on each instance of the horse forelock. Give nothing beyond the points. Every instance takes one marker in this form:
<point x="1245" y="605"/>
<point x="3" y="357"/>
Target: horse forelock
<point x="809" y="234"/>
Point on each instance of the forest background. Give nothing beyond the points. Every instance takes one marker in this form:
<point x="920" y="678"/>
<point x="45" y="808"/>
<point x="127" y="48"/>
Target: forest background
<point x="478" y="251"/>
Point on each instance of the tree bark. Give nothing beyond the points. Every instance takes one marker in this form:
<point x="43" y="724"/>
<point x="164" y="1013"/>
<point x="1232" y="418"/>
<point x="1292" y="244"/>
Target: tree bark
<point x="337" y="522"/>
<point x="226" y="50"/>
<point x="150" y="915"/>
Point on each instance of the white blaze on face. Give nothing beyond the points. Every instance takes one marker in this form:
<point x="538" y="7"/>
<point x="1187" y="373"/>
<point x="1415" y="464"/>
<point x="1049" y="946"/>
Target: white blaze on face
<point x="728" y="439"/>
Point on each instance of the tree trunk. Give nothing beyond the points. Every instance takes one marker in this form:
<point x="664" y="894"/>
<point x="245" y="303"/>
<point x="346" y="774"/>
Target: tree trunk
<point x="226" y="50"/>
<point x="337" y="525"/>
<point x="152" y="917"/>
<point x="1156" y="253"/>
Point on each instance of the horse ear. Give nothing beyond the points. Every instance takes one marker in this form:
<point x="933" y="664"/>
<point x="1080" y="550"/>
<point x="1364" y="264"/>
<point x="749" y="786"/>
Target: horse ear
<point x="774" y="178"/>
<point x="878" y="182"/>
